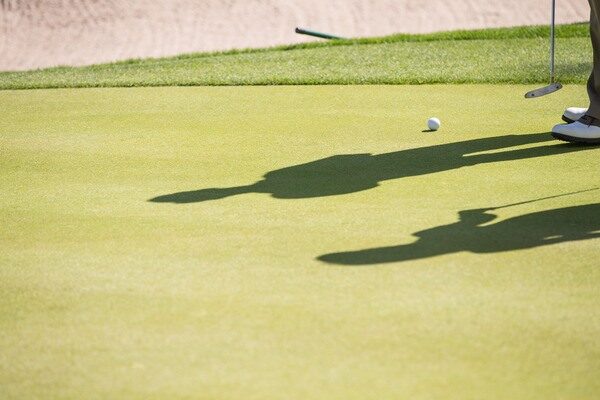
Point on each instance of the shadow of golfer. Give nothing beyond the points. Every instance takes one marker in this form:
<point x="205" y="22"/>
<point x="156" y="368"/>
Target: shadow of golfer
<point x="522" y="232"/>
<point x="349" y="173"/>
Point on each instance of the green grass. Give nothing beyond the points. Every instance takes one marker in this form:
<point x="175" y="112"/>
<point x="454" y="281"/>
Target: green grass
<point x="507" y="55"/>
<point x="121" y="280"/>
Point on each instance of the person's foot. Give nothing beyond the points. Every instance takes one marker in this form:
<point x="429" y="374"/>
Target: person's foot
<point x="573" y="114"/>
<point x="585" y="130"/>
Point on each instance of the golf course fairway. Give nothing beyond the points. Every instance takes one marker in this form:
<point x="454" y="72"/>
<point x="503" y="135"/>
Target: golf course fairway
<point x="307" y="242"/>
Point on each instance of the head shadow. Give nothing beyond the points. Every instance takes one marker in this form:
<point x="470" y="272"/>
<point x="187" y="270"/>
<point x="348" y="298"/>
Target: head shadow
<point x="350" y="173"/>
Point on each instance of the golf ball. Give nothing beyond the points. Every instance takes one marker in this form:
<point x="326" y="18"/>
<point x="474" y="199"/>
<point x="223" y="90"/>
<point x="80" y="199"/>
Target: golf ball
<point x="433" y="124"/>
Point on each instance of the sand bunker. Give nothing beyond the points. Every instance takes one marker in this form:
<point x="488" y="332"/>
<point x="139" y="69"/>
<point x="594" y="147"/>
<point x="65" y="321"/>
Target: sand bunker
<point x="43" y="33"/>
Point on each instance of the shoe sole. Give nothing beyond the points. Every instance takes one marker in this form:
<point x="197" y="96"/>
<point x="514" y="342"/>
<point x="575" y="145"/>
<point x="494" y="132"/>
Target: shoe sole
<point x="572" y="139"/>
<point x="567" y="120"/>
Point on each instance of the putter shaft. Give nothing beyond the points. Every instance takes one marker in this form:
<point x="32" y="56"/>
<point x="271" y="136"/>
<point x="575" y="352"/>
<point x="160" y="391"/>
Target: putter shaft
<point x="553" y="86"/>
<point x="552" y="42"/>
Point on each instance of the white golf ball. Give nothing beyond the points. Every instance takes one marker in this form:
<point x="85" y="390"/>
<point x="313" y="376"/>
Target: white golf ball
<point x="434" y="124"/>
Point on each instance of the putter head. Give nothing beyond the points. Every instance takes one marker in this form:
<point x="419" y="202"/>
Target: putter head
<point x="553" y="87"/>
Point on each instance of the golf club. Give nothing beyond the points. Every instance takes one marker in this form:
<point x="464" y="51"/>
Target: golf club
<point x="554" y="86"/>
<point x="321" y="35"/>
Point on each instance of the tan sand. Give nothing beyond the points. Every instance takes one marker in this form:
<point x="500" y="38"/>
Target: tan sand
<point x="42" y="33"/>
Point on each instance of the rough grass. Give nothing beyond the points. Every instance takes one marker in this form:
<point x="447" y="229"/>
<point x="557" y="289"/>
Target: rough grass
<point x="506" y="55"/>
<point x="122" y="279"/>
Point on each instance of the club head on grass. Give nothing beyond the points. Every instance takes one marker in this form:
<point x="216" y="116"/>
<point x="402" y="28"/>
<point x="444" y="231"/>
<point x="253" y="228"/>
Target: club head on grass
<point x="553" y="87"/>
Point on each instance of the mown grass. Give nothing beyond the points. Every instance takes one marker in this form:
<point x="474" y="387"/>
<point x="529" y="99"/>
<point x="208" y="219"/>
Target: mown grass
<point x="503" y="55"/>
<point x="119" y="282"/>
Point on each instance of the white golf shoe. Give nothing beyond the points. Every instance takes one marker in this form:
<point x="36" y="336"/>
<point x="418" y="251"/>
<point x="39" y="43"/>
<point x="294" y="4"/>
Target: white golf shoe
<point x="573" y="114"/>
<point x="585" y="130"/>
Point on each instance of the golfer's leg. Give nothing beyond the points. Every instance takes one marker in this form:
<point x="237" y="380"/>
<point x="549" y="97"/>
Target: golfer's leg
<point x="594" y="81"/>
<point x="587" y="129"/>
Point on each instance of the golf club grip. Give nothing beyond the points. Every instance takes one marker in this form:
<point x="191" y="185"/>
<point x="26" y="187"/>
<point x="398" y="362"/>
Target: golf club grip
<point x="316" y="34"/>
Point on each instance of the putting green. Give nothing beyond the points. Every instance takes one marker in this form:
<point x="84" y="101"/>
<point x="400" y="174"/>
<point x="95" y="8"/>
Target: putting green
<point x="143" y="255"/>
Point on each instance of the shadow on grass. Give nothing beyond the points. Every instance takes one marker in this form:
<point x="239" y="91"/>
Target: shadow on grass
<point x="572" y="72"/>
<point x="522" y="232"/>
<point x="350" y="173"/>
